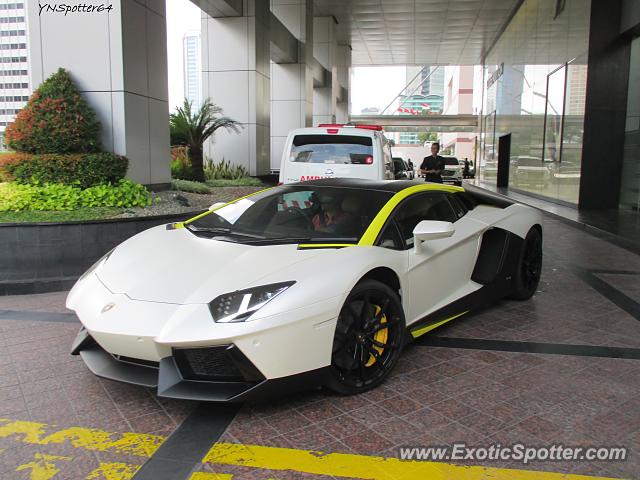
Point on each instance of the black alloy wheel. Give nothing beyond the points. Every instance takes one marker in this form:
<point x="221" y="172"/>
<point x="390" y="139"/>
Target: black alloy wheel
<point x="529" y="270"/>
<point x="368" y="339"/>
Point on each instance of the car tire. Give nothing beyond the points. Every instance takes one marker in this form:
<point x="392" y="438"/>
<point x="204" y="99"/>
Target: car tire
<point x="529" y="269"/>
<point x="363" y="354"/>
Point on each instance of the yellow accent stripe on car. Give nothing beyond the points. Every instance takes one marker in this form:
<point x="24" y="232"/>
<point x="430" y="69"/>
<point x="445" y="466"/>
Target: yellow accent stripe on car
<point x="324" y="245"/>
<point x="427" y="328"/>
<point x="374" y="228"/>
<point x="204" y="214"/>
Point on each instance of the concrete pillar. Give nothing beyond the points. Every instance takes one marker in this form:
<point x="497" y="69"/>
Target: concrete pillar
<point x="236" y="76"/>
<point x="292" y="83"/>
<point x="343" y="77"/>
<point x="118" y="59"/>
<point x="323" y="106"/>
<point x="324" y="48"/>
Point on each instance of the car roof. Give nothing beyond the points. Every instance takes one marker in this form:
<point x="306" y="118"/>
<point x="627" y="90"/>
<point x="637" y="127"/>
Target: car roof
<point x="393" y="186"/>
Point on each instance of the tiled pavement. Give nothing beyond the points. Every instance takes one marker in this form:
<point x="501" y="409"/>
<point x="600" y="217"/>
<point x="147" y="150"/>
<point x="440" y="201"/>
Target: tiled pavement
<point x="436" y="396"/>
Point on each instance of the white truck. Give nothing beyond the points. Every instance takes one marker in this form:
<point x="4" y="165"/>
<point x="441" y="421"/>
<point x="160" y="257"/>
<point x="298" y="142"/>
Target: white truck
<point x="336" y="151"/>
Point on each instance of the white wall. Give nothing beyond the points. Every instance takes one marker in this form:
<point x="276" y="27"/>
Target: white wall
<point x="118" y="59"/>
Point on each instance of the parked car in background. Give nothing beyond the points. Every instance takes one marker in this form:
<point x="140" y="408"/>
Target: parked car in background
<point x="410" y="170"/>
<point x="453" y="169"/>
<point x="336" y="151"/>
<point x="401" y="170"/>
<point x="530" y="171"/>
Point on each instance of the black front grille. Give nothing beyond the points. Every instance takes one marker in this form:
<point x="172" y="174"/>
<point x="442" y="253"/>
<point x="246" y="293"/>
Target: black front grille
<point x="224" y="363"/>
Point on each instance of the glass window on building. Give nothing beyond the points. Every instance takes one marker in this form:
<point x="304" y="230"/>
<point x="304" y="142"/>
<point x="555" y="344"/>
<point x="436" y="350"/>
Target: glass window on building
<point x="630" y="184"/>
<point x="535" y="82"/>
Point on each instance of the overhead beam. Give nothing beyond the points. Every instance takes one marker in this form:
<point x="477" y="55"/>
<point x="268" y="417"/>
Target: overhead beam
<point x="283" y="44"/>
<point x="220" y="8"/>
<point x="411" y="121"/>
<point x="321" y="76"/>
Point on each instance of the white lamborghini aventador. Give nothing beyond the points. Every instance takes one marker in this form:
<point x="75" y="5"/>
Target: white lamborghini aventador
<point x="315" y="283"/>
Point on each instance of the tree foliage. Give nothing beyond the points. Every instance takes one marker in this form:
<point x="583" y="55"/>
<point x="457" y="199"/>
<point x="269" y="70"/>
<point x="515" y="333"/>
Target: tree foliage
<point x="57" y="119"/>
<point x="192" y="128"/>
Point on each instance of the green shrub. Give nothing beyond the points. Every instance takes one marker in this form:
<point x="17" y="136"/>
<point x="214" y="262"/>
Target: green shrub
<point x="179" y="171"/>
<point x="16" y="197"/>
<point x="57" y="119"/>
<point x="80" y="169"/>
<point x="180" y="163"/>
<point x="189" y="186"/>
<point x="223" y="170"/>
<point x="238" y="182"/>
<point x="124" y="194"/>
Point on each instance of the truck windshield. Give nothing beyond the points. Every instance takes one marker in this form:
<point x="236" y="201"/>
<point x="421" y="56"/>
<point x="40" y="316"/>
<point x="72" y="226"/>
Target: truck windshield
<point x="332" y="149"/>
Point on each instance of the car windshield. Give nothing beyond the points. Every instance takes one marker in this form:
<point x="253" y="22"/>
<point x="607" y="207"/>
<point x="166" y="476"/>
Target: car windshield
<point x="332" y="149"/>
<point x="294" y="214"/>
<point x="451" y="161"/>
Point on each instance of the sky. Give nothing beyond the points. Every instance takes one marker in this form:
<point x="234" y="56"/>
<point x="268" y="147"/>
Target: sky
<point x="375" y="87"/>
<point x="370" y="86"/>
<point x="182" y="16"/>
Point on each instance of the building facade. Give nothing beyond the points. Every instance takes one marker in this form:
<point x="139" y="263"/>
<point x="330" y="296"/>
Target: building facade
<point x="561" y="105"/>
<point x="192" y="69"/>
<point x="14" y="66"/>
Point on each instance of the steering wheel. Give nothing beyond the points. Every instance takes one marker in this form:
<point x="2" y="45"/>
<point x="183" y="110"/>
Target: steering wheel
<point x="297" y="211"/>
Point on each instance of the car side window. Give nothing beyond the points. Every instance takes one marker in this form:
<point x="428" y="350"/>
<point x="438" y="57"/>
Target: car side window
<point x="458" y="207"/>
<point x="427" y="206"/>
<point x="390" y="238"/>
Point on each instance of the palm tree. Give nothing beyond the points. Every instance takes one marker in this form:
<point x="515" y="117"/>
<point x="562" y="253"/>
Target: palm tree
<point x="192" y="128"/>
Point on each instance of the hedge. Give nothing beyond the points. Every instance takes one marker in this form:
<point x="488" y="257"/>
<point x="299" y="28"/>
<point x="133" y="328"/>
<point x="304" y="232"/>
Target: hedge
<point x="55" y="197"/>
<point x="56" y="119"/>
<point x="81" y="169"/>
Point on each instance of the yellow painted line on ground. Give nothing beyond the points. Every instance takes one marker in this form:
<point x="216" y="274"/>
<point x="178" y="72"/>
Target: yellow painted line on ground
<point x="43" y="467"/>
<point x="365" y="467"/>
<point x="113" y="471"/>
<point x="139" y="444"/>
<point x="210" y="476"/>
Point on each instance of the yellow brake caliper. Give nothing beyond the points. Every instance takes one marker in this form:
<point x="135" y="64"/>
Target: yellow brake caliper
<point x="380" y="336"/>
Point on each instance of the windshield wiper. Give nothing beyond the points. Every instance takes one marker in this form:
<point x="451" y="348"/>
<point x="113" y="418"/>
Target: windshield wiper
<point x="195" y="228"/>
<point x="223" y="231"/>
<point x="314" y="239"/>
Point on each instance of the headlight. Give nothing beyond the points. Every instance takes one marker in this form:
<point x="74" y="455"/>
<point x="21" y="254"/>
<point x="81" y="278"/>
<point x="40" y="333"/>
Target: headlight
<point x="93" y="267"/>
<point x="239" y="306"/>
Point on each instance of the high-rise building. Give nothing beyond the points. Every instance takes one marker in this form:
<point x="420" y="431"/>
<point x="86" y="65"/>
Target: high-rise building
<point x="14" y="67"/>
<point x="192" y="71"/>
<point x="426" y="80"/>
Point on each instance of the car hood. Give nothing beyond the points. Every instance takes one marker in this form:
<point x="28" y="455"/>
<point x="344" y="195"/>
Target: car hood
<point x="175" y="266"/>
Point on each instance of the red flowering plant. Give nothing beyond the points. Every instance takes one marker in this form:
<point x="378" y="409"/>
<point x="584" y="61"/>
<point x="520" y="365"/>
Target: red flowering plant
<point x="57" y="119"/>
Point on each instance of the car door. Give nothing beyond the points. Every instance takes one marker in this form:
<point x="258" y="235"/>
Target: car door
<point x="441" y="271"/>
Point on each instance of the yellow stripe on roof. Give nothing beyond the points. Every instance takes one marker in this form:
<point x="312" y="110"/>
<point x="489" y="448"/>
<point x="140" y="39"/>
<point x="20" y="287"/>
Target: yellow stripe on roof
<point x="374" y="228"/>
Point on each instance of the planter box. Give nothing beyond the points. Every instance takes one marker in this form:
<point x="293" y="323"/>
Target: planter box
<point x="47" y="257"/>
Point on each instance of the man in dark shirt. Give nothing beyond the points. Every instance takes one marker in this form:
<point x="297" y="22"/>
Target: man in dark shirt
<point x="433" y="165"/>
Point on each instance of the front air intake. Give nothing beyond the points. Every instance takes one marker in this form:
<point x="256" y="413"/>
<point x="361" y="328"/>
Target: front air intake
<point x="223" y="363"/>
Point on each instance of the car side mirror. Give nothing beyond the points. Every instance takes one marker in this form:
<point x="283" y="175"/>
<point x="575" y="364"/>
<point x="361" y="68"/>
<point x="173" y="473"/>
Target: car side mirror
<point x="431" y="230"/>
<point x="217" y="205"/>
